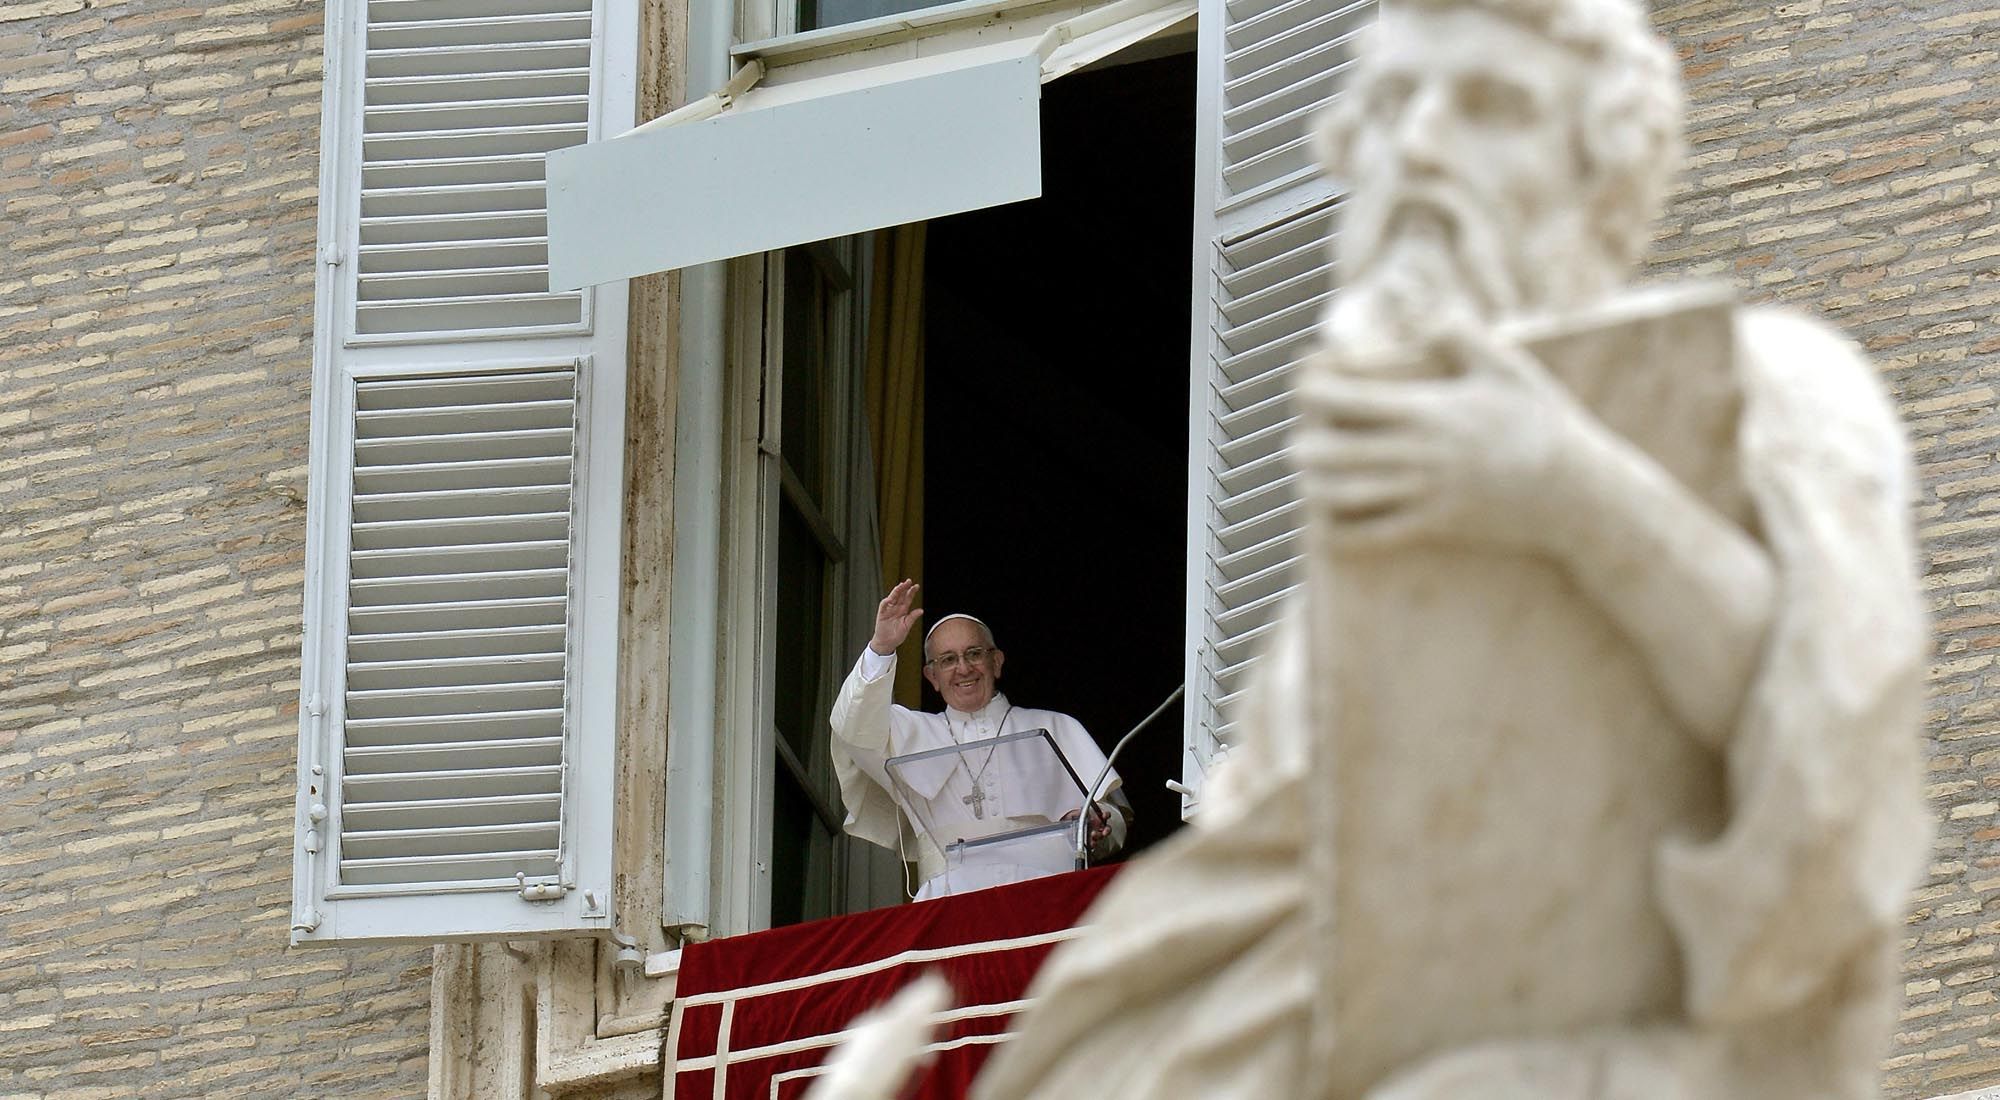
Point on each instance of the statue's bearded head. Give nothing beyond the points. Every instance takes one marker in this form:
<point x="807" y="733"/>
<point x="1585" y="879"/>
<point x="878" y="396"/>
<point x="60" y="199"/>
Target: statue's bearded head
<point x="1503" y="155"/>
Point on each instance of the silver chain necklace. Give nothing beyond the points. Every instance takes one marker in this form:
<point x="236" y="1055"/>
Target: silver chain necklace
<point x="977" y="799"/>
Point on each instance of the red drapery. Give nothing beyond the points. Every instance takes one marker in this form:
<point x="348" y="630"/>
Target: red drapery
<point x="988" y="944"/>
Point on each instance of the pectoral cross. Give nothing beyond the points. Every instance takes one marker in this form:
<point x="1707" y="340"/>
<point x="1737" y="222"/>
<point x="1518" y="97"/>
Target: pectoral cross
<point x="977" y="800"/>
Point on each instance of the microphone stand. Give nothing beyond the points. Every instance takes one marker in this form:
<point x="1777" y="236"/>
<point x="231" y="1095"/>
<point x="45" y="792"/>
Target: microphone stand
<point x="1082" y="847"/>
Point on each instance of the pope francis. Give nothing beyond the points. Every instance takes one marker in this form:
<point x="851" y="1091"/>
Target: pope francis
<point x="907" y="786"/>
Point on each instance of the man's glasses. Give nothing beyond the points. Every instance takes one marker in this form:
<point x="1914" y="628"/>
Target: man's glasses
<point x="949" y="662"/>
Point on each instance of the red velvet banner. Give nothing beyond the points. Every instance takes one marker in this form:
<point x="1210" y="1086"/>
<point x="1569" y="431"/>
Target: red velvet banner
<point x="969" y="933"/>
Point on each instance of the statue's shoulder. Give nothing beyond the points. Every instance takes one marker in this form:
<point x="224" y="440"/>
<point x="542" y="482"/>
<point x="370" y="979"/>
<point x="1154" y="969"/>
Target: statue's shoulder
<point x="1796" y="352"/>
<point x="1810" y="390"/>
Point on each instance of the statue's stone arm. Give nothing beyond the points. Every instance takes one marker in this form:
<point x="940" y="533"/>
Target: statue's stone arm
<point x="1827" y="827"/>
<point x="1691" y="589"/>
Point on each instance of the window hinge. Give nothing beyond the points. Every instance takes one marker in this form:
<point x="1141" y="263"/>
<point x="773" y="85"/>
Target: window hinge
<point x="307" y="921"/>
<point x="314" y="816"/>
<point x="330" y="256"/>
<point x="545" y="890"/>
<point x="626" y="956"/>
<point x="316" y="706"/>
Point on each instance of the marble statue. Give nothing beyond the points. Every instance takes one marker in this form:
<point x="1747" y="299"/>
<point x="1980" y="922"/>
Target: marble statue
<point x="1587" y="766"/>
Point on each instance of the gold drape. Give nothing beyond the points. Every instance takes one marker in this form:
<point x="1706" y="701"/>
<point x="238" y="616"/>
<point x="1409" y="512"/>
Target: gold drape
<point x="896" y="421"/>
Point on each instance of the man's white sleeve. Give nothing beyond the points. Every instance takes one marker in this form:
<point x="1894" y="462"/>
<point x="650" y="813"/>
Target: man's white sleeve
<point x="860" y="745"/>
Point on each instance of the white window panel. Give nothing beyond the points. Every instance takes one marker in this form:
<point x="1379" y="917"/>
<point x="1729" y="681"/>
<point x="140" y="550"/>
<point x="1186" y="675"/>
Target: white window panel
<point x="457" y="105"/>
<point x="458" y="683"/>
<point x="828" y="146"/>
<point x="1264" y="230"/>
<point x="1279" y="64"/>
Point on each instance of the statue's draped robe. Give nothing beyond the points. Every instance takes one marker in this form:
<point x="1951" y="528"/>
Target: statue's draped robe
<point x="1021" y="785"/>
<point x="1777" y="900"/>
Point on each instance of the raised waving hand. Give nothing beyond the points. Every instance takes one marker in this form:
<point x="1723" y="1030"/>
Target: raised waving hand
<point x="894" y="618"/>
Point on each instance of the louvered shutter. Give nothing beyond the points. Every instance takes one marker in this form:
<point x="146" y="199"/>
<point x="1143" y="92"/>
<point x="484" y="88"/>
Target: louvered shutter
<point x="1264" y="224"/>
<point x="460" y="657"/>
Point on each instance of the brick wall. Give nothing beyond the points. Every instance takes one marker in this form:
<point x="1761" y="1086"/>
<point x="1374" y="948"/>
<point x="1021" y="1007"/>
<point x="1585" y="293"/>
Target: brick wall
<point x="158" y="168"/>
<point x="157" y="172"/>
<point x="1843" y="161"/>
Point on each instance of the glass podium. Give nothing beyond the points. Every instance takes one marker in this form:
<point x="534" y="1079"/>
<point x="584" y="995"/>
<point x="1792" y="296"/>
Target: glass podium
<point x="994" y="807"/>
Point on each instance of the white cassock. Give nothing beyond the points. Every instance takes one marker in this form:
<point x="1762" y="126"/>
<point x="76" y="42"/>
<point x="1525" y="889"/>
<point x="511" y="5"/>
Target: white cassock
<point x="964" y="797"/>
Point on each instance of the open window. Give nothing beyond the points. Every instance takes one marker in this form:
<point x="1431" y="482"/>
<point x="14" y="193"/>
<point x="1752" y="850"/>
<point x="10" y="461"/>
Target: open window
<point x="951" y="400"/>
<point x="941" y="118"/>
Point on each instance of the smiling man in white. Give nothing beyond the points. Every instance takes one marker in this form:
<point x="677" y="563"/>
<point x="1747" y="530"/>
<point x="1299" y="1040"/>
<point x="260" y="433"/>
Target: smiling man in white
<point x="966" y="796"/>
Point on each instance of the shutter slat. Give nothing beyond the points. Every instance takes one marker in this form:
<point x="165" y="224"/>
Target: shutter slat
<point x="484" y="473"/>
<point x="484" y="533"/>
<point x="451" y="841"/>
<point x="460" y="448"/>
<point x="452" y="171"/>
<point x="459" y="144"/>
<point x="497" y="670"/>
<point x="392" y="11"/>
<point x="1277" y="577"/>
<point x="438" y="257"/>
<point x="1279" y="549"/>
<point x="1260" y="529"/>
<point x="452" y="755"/>
<point x="477" y="60"/>
<point x="515" y="584"/>
<point x="439" y="420"/>
<point x="450" y="117"/>
<point x="499" y="869"/>
<point x="488" y="227"/>
<point x="444" y="199"/>
<point x="1260" y="500"/>
<point x="419" y="504"/>
<point x="1264" y="469"/>
<point x="1263" y="441"/>
<point x="369" y="648"/>
<point x="556" y="29"/>
<point x="446" y="812"/>
<point x="1292" y="320"/>
<point x="465" y="783"/>
<point x="415" y="702"/>
<point x="520" y="311"/>
<point x="437" y="729"/>
<point x="425" y="561"/>
<point x="488" y="283"/>
<point x="477" y="87"/>
<point x="1258" y="389"/>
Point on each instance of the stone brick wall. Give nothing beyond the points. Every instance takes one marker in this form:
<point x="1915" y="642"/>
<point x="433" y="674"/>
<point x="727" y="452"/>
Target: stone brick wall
<point x="158" y="169"/>
<point x="157" y="179"/>
<point x="1843" y="162"/>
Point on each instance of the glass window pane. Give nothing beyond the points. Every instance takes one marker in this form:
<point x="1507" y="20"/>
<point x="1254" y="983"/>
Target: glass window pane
<point x="801" y="608"/>
<point x="832" y="13"/>
<point x="792" y="829"/>
<point x="802" y="409"/>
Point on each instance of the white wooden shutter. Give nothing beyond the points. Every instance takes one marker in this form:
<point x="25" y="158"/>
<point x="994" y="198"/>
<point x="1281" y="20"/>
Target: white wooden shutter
<point x="462" y="588"/>
<point x="1264" y="225"/>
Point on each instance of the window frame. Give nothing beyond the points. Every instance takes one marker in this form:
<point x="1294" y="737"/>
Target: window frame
<point x="748" y="757"/>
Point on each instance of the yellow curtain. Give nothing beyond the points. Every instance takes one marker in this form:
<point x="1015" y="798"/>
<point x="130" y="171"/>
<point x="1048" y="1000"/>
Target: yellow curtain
<point x="896" y="419"/>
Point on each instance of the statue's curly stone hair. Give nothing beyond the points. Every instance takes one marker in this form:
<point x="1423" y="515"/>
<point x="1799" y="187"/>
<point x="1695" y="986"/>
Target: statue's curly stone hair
<point x="1628" y="135"/>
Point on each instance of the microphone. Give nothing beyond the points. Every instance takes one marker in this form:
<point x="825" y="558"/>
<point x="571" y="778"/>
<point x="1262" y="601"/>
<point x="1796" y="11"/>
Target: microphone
<point x="1090" y="796"/>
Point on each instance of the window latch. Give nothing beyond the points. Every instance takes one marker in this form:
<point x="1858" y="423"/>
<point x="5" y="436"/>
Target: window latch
<point x="544" y="890"/>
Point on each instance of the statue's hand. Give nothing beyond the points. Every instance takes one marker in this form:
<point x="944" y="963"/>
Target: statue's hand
<point x="894" y="617"/>
<point x="1484" y="454"/>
